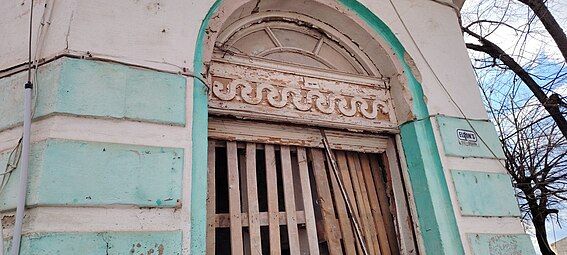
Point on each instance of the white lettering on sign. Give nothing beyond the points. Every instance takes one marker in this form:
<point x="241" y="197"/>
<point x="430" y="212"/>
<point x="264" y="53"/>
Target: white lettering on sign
<point x="467" y="137"/>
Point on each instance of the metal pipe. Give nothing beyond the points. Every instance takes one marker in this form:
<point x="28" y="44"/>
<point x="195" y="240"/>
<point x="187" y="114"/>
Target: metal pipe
<point x="22" y="187"/>
<point x="23" y="184"/>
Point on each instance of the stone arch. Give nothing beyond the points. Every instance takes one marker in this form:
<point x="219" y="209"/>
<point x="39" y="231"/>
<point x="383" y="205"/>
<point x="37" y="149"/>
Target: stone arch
<point x="433" y="204"/>
<point x="389" y="58"/>
<point x="315" y="35"/>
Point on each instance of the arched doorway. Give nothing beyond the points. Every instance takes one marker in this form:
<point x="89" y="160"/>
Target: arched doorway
<point x="364" y="27"/>
<point x="280" y="82"/>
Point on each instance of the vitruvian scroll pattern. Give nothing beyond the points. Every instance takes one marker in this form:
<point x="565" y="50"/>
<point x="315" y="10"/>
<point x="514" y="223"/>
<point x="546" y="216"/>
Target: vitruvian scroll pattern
<point x="301" y="99"/>
<point x="300" y="96"/>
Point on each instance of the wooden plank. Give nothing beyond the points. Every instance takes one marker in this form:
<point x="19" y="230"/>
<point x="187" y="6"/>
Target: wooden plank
<point x="384" y="196"/>
<point x="325" y="201"/>
<point x="360" y="197"/>
<point x="373" y="238"/>
<point x="347" y="183"/>
<point x="404" y="223"/>
<point x="243" y="196"/>
<point x="265" y="133"/>
<point x="222" y="220"/>
<point x="289" y="198"/>
<point x="234" y="200"/>
<point x="344" y="220"/>
<point x="375" y="205"/>
<point x="272" y="188"/>
<point x="307" y="202"/>
<point x="211" y="198"/>
<point x="253" y="210"/>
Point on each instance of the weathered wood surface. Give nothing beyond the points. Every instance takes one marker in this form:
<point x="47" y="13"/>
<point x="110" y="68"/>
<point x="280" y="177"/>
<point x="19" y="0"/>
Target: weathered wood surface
<point x="222" y="220"/>
<point x="273" y="210"/>
<point x="309" y="218"/>
<point x="325" y="201"/>
<point x="264" y="133"/>
<point x="264" y="94"/>
<point x="348" y="237"/>
<point x="307" y="202"/>
<point x="252" y="192"/>
<point x="289" y="198"/>
<point x="236" y="238"/>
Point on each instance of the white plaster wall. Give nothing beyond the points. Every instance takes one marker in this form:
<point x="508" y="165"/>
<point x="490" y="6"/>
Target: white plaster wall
<point x="162" y="34"/>
<point x="435" y="29"/>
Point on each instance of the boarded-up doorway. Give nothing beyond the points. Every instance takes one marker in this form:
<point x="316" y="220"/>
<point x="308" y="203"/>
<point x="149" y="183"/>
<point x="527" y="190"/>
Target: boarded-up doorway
<point x="276" y="80"/>
<point x="281" y="197"/>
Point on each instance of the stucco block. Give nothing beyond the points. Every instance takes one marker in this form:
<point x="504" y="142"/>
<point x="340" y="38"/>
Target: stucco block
<point x="484" y="194"/>
<point x="491" y="244"/>
<point x="472" y="144"/>
<point x="432" y="199"/>
<point x="64" y="172"/>
<point x="94" y="88"/>
<point x="102" y="243"/>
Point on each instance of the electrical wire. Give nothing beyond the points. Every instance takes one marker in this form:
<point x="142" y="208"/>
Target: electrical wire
<point x="441" y="83"/>
<point x="445" y="89"/>
<point x="16" y="152"/>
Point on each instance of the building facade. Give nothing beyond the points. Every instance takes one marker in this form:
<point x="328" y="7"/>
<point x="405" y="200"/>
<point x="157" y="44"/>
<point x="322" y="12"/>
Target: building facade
<point x="560" y="247"/>
<point x="193" y="127"/>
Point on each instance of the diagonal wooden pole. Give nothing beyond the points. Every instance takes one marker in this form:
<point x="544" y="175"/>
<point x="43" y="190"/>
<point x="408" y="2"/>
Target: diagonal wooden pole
<point x="350" y="211"/>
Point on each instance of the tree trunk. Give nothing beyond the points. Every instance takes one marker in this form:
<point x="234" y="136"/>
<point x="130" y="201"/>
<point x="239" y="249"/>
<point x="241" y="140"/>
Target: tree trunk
<point x="541" y="234"/>
<point x="539" y="214"/>
<point x="497" y="53"/>
<point x="549" y="22"/>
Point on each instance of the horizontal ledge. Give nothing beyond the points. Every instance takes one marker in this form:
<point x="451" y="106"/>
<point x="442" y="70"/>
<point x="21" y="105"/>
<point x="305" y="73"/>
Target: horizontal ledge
<point x="99" y="130"/>
<point x="143" y="64"/>
<point x="96" y="219"/>
<point x="489" y="165"/>
<point x="491" y="225"/>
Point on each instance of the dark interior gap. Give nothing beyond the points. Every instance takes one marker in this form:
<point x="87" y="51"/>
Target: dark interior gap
<point x="281" y="200"/>
<point x="221" y="180"/>
<point x="261" y="180"/>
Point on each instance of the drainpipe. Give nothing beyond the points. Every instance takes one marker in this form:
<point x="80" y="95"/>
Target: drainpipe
<point x="23" y="185"/>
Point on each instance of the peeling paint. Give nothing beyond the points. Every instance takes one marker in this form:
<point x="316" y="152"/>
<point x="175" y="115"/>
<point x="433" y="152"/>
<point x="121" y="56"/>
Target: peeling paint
<point x="109" y="243"/>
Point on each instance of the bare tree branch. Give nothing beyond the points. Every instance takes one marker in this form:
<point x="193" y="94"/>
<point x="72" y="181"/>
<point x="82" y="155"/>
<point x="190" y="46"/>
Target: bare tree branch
<point x="551" y="104"/>
<point x="550" y="24"/>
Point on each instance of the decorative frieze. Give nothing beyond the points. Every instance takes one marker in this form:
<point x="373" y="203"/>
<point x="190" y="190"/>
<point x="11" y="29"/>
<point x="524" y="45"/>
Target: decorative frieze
<point x="254" y="92"/>
<point x="302" y="100"/>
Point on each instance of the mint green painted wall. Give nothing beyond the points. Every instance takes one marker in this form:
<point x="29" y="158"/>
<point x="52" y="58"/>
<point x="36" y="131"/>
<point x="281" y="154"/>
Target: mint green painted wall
<point x="109" y="243"/>
<point x="491" y="244"/>
<point x="199" y="136"/>
<point x="12" y="94"/>
<point x="435" y="214"/>
<point x="484" y="129"/>
<point x="94" y="88"/>
<point x="65" y="172"/>
<point x="485" y="194"/>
